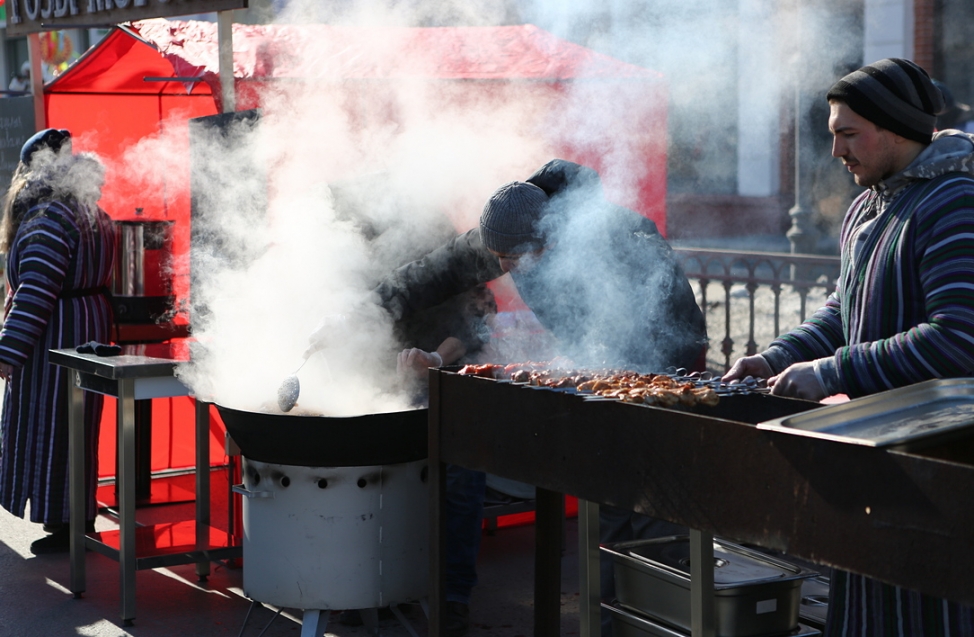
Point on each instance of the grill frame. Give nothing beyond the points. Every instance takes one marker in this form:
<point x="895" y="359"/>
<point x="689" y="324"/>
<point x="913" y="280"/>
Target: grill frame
<point x="818" y="500"/>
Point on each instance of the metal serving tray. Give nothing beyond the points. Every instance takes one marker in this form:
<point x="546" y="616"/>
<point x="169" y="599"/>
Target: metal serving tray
<point x="627" y="623"/>
<point x="903" y="418"/>
<point x="754" y="594"/>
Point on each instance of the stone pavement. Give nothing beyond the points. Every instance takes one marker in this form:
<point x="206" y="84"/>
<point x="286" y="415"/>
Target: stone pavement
<point x="35" y="598"/>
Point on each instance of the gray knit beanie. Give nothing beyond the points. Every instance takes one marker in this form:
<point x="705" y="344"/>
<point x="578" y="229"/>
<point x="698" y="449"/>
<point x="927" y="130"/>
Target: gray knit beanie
<point x="894" y="94"/>
<point x="509" y="222"/>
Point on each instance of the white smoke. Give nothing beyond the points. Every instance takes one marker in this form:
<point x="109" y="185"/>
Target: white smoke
<point x="278" y="256"/>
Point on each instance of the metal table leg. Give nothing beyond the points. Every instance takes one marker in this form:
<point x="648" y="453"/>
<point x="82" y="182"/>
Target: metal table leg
<point x="589" y="607"/>
<point x="549" y="506"/>
<point x="703" y="622"/>
<point x="202" y="486"/>
<point x="437" y="522"/>
<point x="126" y="495"/>
<point x="76" y="482"/>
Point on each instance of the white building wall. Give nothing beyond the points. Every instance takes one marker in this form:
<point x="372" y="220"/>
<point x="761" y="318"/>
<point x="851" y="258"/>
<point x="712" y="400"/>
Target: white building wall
<point x="888" y="30"/>
<point x="758" y="98"/>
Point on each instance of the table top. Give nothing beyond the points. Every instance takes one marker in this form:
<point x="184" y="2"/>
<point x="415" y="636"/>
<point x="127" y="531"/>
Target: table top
<point x="135" y="361"/>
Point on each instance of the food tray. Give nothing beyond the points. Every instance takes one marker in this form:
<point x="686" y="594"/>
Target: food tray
<point x="627" y="623"/>
<point x="754" y="594"/>
<point x="903" y="418"/>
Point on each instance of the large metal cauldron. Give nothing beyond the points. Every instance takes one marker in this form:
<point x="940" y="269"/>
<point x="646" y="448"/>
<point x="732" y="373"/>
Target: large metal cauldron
<point x="321" y="441"/>
<point x="336" y="509"/>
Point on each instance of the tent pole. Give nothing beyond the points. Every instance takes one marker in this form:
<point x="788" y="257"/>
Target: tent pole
<point x="37" y="80"/>
<point x="224" y="21"/>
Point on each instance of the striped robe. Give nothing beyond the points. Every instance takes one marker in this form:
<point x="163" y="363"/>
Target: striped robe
<point x="57" y="253"/>
<point x="902" y="312"/>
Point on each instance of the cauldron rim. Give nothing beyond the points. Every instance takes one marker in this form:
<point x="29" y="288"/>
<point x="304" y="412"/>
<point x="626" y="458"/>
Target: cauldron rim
<point x="325" y="441"/>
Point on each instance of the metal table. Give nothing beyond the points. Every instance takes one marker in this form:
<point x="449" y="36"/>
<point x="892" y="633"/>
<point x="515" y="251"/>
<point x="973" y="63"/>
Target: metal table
<point x="819" y="500"/>
<point x="141" y="372"/>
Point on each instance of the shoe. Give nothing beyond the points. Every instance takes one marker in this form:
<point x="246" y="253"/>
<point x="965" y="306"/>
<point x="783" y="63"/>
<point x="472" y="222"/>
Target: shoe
<point x="59" y="541"/>
<point x="54" y="527"/>
<point x="457" y="619"/>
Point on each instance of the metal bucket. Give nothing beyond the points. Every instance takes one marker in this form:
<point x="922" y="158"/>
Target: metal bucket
<point x="142" y="281"/>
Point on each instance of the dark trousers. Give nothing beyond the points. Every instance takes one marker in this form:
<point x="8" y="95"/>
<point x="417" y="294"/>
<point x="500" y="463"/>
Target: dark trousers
<point x="464" y="521"/>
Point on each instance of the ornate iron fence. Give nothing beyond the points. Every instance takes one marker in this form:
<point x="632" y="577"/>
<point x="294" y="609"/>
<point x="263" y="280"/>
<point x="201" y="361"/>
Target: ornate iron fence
<point x="774" y="289"/>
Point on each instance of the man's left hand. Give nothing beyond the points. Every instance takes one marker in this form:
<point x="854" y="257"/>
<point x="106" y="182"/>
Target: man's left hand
<point x="798" y="381"/>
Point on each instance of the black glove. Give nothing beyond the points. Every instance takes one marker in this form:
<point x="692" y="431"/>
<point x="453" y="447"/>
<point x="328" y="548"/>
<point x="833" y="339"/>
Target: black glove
<point x="101" y="349"/>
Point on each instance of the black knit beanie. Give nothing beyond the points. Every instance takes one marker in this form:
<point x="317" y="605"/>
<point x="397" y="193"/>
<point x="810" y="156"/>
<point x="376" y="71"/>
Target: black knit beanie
<point x="509" y="222"/>
<point x="894" y="94"/>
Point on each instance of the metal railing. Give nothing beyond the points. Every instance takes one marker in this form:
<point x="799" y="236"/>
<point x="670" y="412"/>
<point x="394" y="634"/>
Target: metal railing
<point x="775" y="286"/>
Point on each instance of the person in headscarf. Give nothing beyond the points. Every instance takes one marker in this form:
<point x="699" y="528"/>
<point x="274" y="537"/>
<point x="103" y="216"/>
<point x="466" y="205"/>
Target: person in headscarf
<point x="60" y="249"/>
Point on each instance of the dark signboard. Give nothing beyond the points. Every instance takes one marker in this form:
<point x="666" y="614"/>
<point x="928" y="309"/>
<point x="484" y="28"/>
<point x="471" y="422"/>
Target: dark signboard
<point x="31" y="16"/>
<point x="16" y="126"/>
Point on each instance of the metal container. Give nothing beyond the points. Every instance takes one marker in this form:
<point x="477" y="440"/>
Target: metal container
<point x="142" y="279"/>
<point x="754" y="594"/>
<point x="632" y="624"/>
<point x="904" y="418"/>
<point x="815" y="602"/>
<point x="335" y="537"/>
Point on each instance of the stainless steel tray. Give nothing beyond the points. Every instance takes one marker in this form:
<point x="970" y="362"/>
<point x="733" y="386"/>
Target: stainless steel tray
<point x="904" y="418"/>
<point x="754" y="594"/>
<point x="629" y="623"/>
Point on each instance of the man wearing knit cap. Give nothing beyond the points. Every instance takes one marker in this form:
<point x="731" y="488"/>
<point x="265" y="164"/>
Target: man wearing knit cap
<point x="599" y="278"/>
<point x="902" y="311"/>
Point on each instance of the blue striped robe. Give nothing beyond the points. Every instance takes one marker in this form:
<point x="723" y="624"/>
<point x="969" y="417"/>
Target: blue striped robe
<point x="902" y="312"/>
<point x="57" y="251"/>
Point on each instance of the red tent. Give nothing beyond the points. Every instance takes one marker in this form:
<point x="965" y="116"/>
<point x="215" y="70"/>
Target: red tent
<point x="158" y="74"/>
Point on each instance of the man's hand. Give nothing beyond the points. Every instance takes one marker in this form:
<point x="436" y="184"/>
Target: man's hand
<point x="6" y="370"/>
<point x="798" y="381"/>
<point x="330" y="328"/>
<point x="756" y="366"/>
<point x="416" y="362"/>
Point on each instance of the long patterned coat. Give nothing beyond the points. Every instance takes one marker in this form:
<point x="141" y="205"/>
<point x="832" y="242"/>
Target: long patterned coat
<point x="902" y="312"/>
<point x="58" y="271"/>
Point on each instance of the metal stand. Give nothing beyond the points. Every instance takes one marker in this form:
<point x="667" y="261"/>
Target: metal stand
<point x="247" y="618"/>
<point x="315" y="622"/>
<point x="130" y="378"/>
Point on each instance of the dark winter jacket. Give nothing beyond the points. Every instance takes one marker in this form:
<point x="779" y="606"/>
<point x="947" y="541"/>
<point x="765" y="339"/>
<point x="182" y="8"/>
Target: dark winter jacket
<point x="607" y="285"/>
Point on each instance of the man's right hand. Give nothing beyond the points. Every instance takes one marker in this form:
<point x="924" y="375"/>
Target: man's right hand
<point x="756" y="366"/>
<point x="329" y="330"/>
<point x="416" y="362"/>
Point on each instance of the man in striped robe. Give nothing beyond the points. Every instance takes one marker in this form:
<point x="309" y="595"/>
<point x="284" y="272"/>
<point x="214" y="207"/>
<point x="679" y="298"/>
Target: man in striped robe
<point x="903" y="308"/>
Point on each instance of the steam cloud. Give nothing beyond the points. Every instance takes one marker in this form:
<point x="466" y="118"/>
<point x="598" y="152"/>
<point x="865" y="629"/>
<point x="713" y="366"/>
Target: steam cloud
<point x="278" y="254"/>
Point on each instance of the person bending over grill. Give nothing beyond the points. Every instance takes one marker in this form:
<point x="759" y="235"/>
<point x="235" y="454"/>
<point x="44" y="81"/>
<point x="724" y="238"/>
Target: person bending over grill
<point x="599" y="278"/>
<point x="902" y="311"/>
<point x="60" y="249"/>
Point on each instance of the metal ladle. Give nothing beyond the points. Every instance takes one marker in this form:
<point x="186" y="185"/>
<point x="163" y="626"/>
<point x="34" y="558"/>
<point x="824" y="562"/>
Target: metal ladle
<point x="290" y="389"/>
